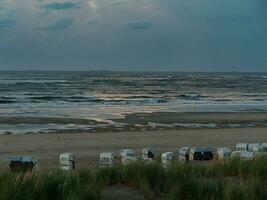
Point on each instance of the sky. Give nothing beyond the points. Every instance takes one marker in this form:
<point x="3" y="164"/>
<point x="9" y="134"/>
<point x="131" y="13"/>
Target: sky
<point x="145" y="35"/>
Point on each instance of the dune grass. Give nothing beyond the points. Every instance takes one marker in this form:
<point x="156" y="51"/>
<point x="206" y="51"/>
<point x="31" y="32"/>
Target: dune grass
<point x="233" y="179"/>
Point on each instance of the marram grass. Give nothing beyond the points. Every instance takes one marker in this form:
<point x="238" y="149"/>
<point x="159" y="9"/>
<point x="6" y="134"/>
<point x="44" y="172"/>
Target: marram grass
<point x="233" y="179"/>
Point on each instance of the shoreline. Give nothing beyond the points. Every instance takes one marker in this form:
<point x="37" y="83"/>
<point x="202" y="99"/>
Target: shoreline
<point x="133" y="122"/>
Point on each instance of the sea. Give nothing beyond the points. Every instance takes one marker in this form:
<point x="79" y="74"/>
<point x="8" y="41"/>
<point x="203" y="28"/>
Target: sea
<point x="107" y="95"/>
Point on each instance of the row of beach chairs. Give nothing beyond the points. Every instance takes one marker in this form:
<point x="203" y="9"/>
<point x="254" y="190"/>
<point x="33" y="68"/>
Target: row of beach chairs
<point x="67" y="161"/>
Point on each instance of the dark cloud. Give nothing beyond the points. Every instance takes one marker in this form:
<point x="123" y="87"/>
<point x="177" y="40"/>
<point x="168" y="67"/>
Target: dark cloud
<point x="61" y="6"/>
<point x="92" y="22"/>
<point x="58" y="25"/>
<point x="139" y="24"/>
<point x="210" y="35"/>
<point x="116" y="3"/>
<point x="7" y="14"/>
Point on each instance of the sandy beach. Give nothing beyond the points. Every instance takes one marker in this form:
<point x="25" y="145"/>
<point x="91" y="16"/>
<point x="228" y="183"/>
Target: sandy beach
<point x="47" y="147"/>
<point x="136" y="131"/>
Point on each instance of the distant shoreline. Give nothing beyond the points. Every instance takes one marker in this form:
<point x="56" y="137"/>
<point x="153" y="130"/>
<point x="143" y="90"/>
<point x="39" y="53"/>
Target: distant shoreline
<point x="137" y="71"/>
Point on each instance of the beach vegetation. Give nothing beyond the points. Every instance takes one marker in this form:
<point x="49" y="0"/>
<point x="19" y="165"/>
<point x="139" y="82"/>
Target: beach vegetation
<point x="232" y="179"/>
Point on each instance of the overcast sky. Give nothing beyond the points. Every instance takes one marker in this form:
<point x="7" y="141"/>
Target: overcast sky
<point x="182" y="35"/>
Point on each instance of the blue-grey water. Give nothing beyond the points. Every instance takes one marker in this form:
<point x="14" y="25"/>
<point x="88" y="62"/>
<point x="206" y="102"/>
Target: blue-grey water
<point x="107" y="95"/>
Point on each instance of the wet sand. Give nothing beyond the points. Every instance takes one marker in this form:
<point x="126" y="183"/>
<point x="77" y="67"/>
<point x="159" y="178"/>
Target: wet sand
<point x="134" y="122"/>
<point x="47" y="147"/>
<point x="195" y="117"/>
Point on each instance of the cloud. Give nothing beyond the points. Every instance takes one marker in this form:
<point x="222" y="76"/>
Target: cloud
<point x="6" y="23"/>
<point x="61" y="6"/>
<point x="92" y="22"/>
<point x="116" y="3"/>
<point x="93" y="6"/>
<point x="7" y="13"/>
<point x="139" y="24"/>
<point x="58" y="25"/>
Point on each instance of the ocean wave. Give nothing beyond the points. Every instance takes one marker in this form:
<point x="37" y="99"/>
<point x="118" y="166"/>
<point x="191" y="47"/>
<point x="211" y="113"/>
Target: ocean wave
<point x="191" y="96"/>
<point x="4" y="101"/>
<point x="7" y="100"/>
<point x="126" y="88"/>
<point x="16" y="82"/>
<point x="61" y="98"/>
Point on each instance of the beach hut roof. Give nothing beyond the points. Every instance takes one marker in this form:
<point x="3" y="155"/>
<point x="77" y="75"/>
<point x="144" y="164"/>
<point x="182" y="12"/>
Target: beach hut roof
<point x="107" y="154"/>
<point x="126" y="150"/>
<point x="127" y="153"/>
<point x="22" y="159"/>
<point x="207" y="149"/>
<point x="224" y="149"/>
<point x="254" y="144"/>
<point x="184" y="150"/>
<point x="242" y="144"/>
<point x="166" y="154"/>
<point x="67" y="154"/>
<point x="197" y="149"/>
<point x="145" y="150"/>
<point x="15" y="158"/>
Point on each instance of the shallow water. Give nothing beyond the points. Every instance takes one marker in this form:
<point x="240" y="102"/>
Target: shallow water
<point x="109" y="95"/>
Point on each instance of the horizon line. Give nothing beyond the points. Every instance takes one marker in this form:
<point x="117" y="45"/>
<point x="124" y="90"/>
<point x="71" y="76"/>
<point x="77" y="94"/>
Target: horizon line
<point x="136" y="71"/>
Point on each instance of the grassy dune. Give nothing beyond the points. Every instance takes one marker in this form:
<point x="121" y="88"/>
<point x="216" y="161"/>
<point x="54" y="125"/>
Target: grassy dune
<point x="233" y="179"/>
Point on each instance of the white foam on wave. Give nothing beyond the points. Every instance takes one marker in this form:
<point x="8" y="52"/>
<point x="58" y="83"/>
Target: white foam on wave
<point x="196" y="125"/>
